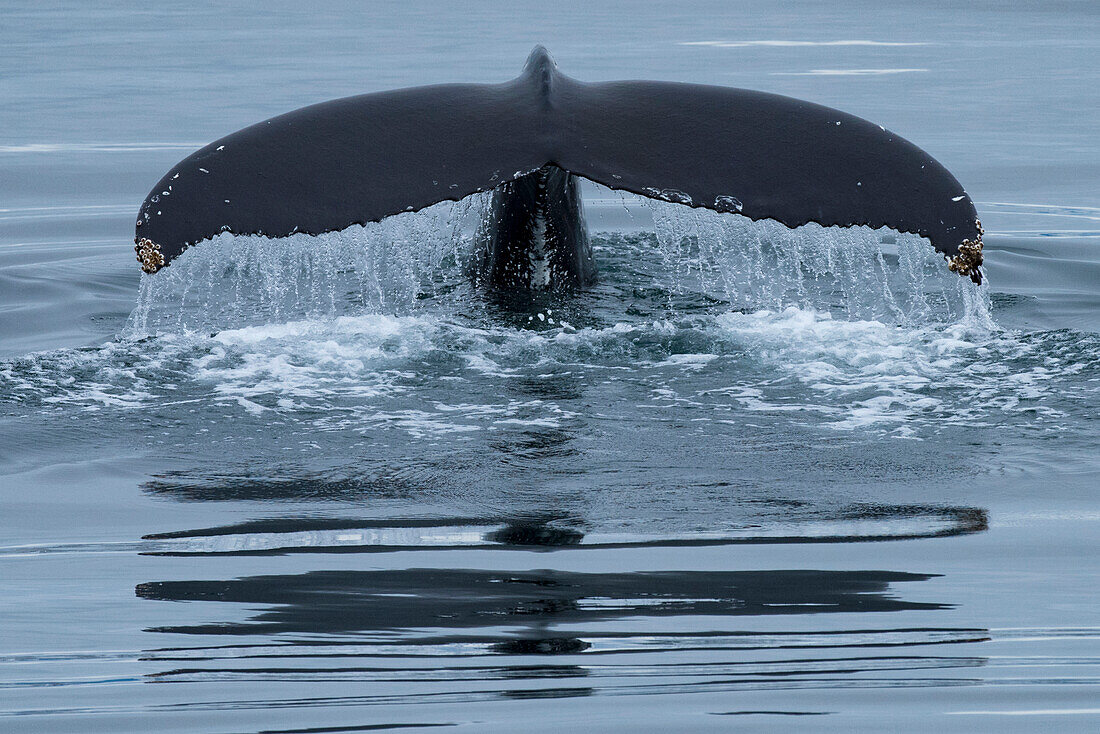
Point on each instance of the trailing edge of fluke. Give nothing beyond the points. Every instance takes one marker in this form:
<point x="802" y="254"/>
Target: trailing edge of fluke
<point x="359" y="159"/>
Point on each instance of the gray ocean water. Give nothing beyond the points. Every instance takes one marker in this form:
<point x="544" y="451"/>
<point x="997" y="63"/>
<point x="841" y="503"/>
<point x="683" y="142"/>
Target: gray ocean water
<point x="755" y="480"/>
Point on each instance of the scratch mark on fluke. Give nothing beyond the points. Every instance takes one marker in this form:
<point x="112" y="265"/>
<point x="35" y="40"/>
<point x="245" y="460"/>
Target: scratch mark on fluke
<point x="360" y="159"/>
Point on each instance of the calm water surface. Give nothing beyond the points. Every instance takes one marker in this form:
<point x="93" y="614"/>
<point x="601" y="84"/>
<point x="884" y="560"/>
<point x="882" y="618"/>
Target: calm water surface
<point x="754" y="480"/>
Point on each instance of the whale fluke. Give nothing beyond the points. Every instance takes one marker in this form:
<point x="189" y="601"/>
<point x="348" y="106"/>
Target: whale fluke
<point x="359" y="159"/>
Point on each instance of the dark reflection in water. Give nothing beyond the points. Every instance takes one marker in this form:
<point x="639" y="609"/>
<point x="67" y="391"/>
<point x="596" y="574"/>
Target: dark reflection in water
<point x="528" y="533"/>
<point x="527" y="672"/>
<point x="845" y="524"/>
<point x="460" y="635"/>
<point x="530" y="693"/>
<point x="463" y="635"/>
<point x="365" y="727"/>
<point x="262" y="487"/>
<point x="332" y="602"/>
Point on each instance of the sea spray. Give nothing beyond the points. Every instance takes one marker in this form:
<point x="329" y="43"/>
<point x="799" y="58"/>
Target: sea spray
<point x="856" y="273"/>
<point x="234" y="281"/>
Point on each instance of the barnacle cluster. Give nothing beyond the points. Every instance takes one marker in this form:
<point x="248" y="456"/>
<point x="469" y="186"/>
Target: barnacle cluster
<point x="149" y="255"/>
<point x="969" y="258"/>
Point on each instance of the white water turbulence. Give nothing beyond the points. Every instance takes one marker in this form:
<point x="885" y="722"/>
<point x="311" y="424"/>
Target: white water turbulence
<point x="380" y="328"/>
<point x="857" y="273"/>
<point x="234" y="281"/>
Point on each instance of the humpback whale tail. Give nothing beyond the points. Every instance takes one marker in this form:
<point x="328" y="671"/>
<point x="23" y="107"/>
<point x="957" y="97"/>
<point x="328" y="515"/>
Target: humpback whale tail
<point x="359" y="159"/>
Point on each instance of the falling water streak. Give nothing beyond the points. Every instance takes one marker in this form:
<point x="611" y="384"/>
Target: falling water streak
<point x="857" y="272"/>
<point x="379" y="267"/>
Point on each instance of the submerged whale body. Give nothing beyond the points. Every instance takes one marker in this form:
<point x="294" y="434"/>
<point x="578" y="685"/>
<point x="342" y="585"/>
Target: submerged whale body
<point x="359" y="159"/>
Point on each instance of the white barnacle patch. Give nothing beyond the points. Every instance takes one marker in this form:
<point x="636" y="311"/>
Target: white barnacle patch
<point x="726" y="203"/>
<point x="675" y="196"/>
<point x="521" y="174"/>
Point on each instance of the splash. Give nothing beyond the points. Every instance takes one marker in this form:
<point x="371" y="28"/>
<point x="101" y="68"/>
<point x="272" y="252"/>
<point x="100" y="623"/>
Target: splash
<point x="855" y="272"/>
<point x="234" y="281"/>
<point x="392" y="266"/>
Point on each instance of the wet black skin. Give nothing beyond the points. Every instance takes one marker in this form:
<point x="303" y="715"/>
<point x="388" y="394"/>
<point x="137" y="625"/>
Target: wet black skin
<point x="534" y="236"/>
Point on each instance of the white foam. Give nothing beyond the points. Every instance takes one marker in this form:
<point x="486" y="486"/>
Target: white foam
<point x="688" y="361"/>
<point x="867" y="373"/>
